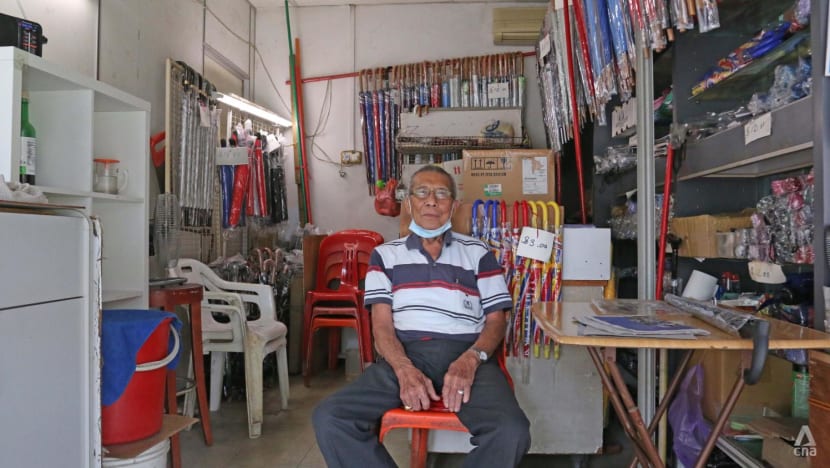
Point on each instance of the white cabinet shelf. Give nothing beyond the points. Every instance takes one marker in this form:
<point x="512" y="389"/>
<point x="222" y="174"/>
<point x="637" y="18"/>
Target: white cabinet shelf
<point x="68" y="192"/>
<point x="78" y="119"/>
<point x="110" y="296"/>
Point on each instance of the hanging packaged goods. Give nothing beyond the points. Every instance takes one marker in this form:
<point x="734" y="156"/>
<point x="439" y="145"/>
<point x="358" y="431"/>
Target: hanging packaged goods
<point x="194" y="131"/>
<point x="251" y="178"/>
<point x="490" y="81"/>
<point x="598" y="36"/>
<point x="249" y="166"/>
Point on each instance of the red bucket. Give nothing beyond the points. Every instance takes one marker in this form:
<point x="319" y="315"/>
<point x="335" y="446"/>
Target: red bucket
<point x="137" y="414"/>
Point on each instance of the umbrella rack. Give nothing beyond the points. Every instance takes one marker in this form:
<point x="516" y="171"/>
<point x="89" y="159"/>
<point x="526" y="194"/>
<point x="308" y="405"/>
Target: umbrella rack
<point x="529" y="280"/>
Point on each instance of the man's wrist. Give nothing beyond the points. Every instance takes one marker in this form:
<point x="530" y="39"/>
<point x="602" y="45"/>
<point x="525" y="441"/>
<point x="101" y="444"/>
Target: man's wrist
<point x="480" y="354"/>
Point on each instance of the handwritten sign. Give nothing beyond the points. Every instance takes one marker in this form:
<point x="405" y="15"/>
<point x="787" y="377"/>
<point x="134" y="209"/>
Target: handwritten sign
<point x="535" y="243"/>
<point x="757" y="128"/>
<point x="766" y="273"/>
<point x="623" y="117"/>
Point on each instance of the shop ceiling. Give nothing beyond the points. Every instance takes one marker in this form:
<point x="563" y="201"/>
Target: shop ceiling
<point x="266" y="4"/>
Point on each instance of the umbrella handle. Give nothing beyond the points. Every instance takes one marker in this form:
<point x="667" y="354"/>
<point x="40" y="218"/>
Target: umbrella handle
<point x="543" y="208"/>
<point x="557" y="213"/>
<point x="503" y="211"/>
<point x="494" y="215"/>
<point x="476" y="204"/>
<point x="534" y="219"/>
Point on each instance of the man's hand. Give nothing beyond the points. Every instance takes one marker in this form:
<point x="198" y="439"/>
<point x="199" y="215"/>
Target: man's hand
<point x="416" y="388"/>
<point x="459" y="380"/>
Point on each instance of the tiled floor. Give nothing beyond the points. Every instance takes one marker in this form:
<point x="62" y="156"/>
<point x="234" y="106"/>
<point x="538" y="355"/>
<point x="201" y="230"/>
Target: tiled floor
<point x="288" y="439"/>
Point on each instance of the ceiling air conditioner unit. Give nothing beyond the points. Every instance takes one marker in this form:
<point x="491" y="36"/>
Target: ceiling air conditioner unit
<point x="517" y="25"/>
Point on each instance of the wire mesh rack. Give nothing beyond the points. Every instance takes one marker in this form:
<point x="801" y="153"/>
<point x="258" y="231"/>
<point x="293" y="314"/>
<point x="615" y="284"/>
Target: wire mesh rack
<point x="191" y="162"/>
<point x="436" y="145"/>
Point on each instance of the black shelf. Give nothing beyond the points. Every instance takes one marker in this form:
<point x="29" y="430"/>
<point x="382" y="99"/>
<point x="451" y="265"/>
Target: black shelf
<point x="725" y="154"/>
<point x="758" y="76"/>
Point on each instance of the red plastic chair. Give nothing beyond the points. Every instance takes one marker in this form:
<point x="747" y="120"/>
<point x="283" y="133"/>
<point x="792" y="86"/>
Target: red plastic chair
<point x="337" y="299"/>
<point x="437" y="417"/>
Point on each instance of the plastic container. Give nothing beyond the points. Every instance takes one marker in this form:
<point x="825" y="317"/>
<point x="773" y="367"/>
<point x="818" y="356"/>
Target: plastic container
<point x="137" y="414"/>
<point x="154" y="457"/>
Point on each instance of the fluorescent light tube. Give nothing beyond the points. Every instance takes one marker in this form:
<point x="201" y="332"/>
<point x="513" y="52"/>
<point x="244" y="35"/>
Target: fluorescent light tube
<point x="249" y="107"/>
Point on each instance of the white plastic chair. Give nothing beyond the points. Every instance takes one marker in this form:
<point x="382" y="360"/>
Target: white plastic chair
<point x="256" y="339"/>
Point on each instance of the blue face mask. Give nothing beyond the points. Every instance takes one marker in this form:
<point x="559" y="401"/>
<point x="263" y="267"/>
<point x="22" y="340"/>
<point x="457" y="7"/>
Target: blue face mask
<point x="429" y="233"/>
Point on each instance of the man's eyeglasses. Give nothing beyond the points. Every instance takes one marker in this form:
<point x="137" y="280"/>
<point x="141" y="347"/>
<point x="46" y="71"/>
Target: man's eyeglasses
<point x="441" y="193"/>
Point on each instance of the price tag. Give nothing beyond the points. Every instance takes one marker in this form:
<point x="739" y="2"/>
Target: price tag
<point x="231" y="156"/>
<point x="536" y="244"/>
<point x="544" y="46"/>
<point x="623" y="117"/>
<point x="766" y="273"/>
<point x="758" y="127"/>
<point x="498" y="91"/>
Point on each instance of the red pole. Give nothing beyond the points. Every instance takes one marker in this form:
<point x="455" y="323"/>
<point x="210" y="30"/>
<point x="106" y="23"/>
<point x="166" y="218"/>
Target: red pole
<point x="575" y="107"/>
<point x="664" y="222"/>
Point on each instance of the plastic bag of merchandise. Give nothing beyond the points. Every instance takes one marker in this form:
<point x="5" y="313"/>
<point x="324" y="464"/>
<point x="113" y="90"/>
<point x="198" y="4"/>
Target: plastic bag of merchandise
<point x="689" y="427"/>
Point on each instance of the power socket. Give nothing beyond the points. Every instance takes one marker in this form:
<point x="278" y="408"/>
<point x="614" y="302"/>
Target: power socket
<point x="351" y="157"/>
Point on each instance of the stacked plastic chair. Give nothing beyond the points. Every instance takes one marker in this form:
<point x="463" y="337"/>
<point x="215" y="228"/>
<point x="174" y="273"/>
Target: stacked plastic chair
<point x="255" y="337"/>
<point x="337" y="298"/>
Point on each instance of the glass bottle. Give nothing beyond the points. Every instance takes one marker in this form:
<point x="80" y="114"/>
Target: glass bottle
<point x="28" y="145"/>
<point x="801" y="391"/>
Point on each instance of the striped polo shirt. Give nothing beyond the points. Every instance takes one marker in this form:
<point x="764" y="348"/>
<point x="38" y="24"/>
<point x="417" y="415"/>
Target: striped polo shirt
<point x="444" y="298"/>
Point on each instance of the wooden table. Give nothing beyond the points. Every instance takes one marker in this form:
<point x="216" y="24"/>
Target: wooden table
<point x="557" y="321"/>
<point x="167" y="298"/>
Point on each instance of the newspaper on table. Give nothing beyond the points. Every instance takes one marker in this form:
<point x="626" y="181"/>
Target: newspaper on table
<point x="636" y="318"/>
<point x="730" y="321"/>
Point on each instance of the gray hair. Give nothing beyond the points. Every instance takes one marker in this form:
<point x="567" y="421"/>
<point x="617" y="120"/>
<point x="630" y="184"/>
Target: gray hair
<point x="437" y="170"/>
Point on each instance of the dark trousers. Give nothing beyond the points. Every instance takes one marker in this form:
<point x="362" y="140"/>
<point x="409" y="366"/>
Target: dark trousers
<point x="346" y="423"/>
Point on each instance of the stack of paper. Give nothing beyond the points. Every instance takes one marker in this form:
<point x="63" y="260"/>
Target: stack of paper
<point x="647" y="326"/>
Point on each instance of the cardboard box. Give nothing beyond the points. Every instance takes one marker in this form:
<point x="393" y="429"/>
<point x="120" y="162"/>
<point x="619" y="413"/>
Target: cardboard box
<point x="509" y="175"/>
<point x="720" y="369"/>
<point x="780" y="454"/>
<point x="698" y="232"/>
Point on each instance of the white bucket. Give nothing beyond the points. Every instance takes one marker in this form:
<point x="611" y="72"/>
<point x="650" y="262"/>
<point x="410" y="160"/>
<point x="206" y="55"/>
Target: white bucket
<point x="153" y="457"/>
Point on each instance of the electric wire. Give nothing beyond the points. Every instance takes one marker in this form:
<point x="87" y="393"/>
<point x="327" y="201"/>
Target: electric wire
<point x="250" y="44"/>
<point x="322" y="123"/>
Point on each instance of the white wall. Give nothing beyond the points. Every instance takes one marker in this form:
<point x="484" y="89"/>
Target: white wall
<point x="341" y="39"/>
<point x="136" y="36"/>
<point x="71" y="27"/>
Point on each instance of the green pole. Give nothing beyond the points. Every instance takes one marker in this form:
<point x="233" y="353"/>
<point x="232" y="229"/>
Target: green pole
<point x="299" y="173"/>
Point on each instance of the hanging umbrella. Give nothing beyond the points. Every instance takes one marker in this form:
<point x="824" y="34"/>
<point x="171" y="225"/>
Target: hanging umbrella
<point x="494" y="236"/>
<point x="518" y="277"/>
<point x="539" y="270"/>
<point x="506" y="249"/>
<point x="556" y="286"/>
<point x="476" y="232"/>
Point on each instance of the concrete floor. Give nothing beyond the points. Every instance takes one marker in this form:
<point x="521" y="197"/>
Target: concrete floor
<point x="288" y="439"/>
